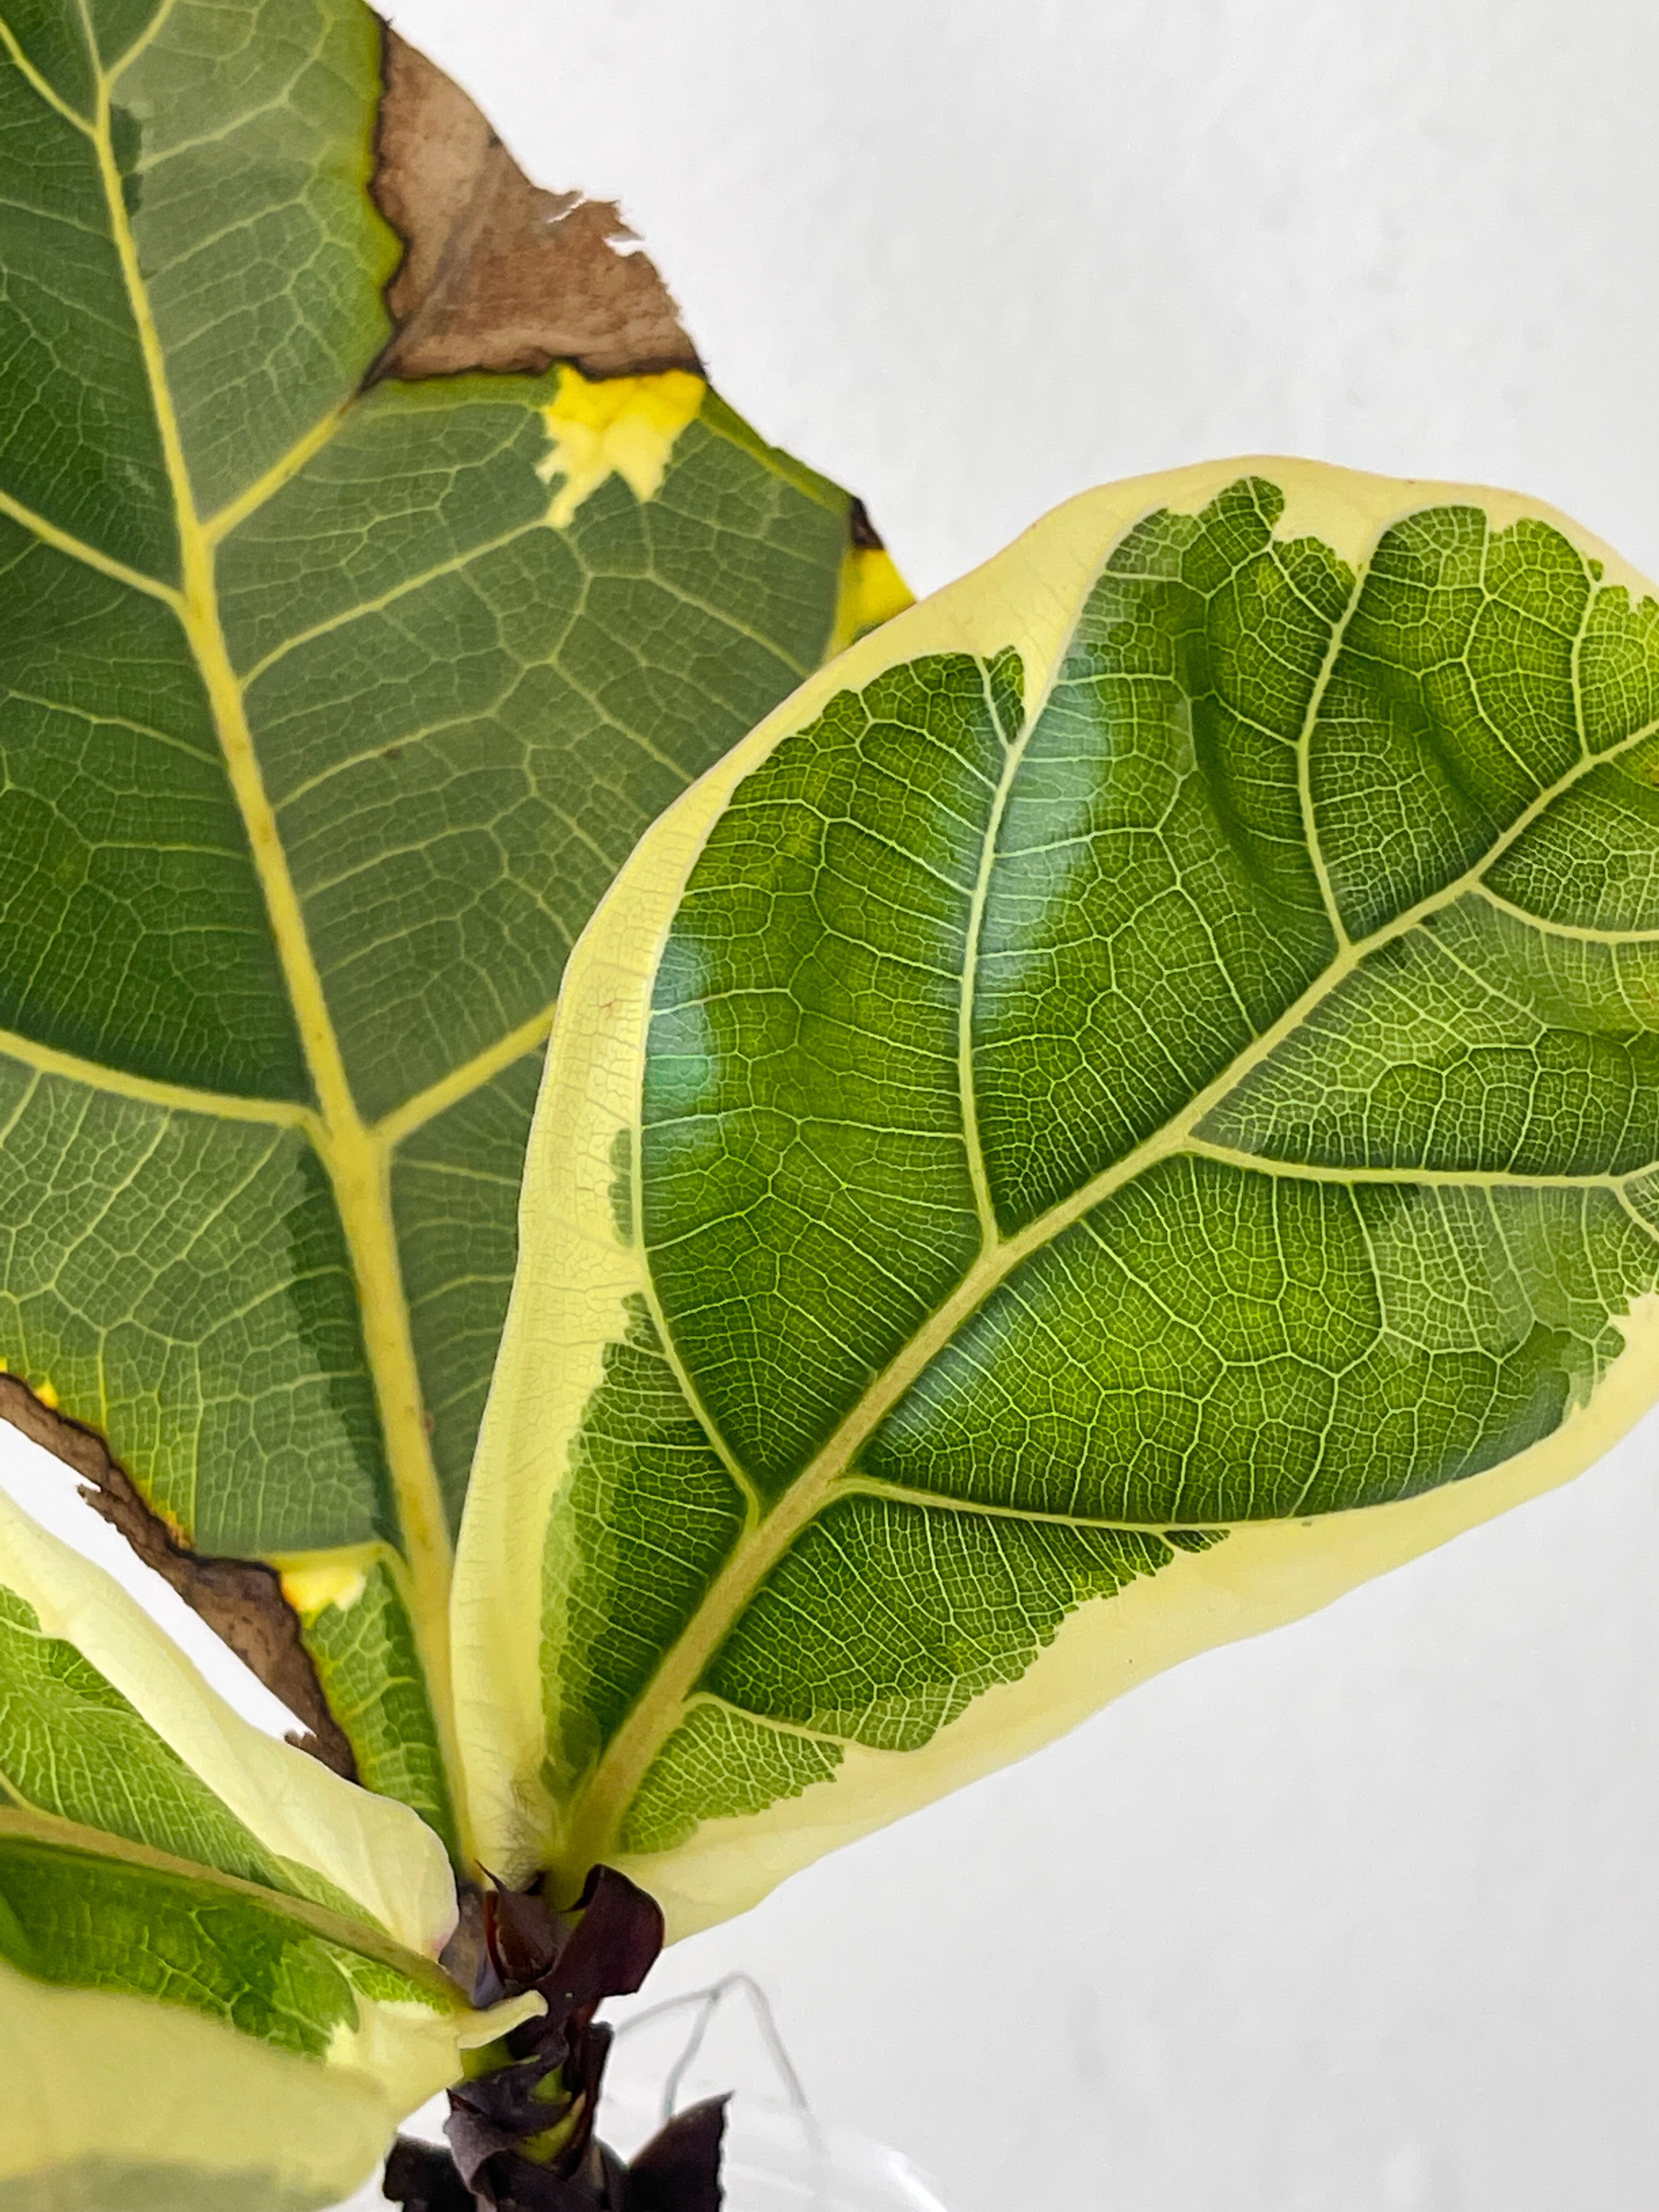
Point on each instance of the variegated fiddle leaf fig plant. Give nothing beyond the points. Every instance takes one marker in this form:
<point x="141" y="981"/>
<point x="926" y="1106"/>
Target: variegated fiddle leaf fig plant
<point x="1126" y="1104"/>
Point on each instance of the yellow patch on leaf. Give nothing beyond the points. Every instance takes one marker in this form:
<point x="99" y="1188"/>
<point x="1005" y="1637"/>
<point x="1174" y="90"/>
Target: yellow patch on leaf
<point x="622" y="425"/>
<point x="872" y="593"/>
<point x="312" y="1590"/>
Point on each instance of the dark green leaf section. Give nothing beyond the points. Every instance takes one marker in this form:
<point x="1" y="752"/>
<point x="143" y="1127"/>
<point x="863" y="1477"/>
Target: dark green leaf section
<point x="1642" y="1192"/>
<point x="219" y="538"/>
<point x="1263" y="1043"/>
<point x="54" y="44"/>
<point x="805" y="1185"/>
<point x="116" y="26"/>
<point x="72" y="1746"/>
<point x="1450" y="707"/>
<point x="1594" y="864"/>
<point x="1151" y="883"/>
<point x="79" y="444"/>
<point x="417" y="479"/>
<point x="1214" y="1343"/>
<point x="263" y="255"/>
<point x="467" y="718"/>
<point x="1005" y="680"/>
<point x="182" y="1284"/>
<point x="1473" y="1040"/>
<point x="370" y="1671"/>
<point x="455" y="1201"/>
<point x="887" y="1619"/>
<point x="719" y="1757"/>
<point x="123" y="842"/>
<point x="76" y="1921"/>
<point x="646" y="1523"/>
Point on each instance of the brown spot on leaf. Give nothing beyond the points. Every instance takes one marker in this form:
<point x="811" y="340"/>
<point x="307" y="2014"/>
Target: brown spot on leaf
<point x="861" y="531"/>
<point x="240" y="1600"/>
<point x="496" y="273"/>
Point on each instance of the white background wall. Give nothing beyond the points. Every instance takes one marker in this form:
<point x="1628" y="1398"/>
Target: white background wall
<point x="1364" y="1917"/>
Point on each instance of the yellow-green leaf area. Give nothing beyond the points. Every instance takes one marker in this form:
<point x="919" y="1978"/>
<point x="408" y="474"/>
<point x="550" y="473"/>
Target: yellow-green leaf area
<point x="719" y="1757"/>
<point x="369" y="1667"/>
<point x="104" y="2185"/>
<point x="76" y="1921"/>
<point x="73" y="1747"/>
<point x="182" y="2114"/>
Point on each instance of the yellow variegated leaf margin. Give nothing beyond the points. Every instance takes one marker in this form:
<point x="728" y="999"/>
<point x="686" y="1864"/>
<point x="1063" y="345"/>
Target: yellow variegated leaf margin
<point x="114" y="2101"/>
<point x="116" y="2105"/>
<point x="128" y="2133"/>
<point x="566" y="1501"/>
<point x="369" y="1849"/>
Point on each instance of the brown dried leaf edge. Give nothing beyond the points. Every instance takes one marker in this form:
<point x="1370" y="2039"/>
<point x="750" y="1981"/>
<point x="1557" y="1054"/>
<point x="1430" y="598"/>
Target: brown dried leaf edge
<point x="498" y="274"/>
<point x="241" y="1600"/>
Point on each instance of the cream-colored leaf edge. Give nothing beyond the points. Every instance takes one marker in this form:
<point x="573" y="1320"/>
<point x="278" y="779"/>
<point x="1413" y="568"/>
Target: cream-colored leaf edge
<point x="87" y="2076"/>
<point x="378" y="1852"/>
<point x="576" y="1271"/>
<point x="1261" y="1577"/>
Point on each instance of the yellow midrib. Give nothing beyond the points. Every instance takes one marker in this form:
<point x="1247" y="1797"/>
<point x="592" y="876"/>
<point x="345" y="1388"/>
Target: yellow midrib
<point x="1013" y="753"/>
<point x="597" y="1816"/>
<point x="1327" y="897"/>
<point x="355" y="1158"/>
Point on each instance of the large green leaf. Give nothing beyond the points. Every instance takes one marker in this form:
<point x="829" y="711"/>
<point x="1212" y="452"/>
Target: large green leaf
<point x="331" y="701"/>
<point x="1129" y="1105"/>
<point x="216" y="1958"/>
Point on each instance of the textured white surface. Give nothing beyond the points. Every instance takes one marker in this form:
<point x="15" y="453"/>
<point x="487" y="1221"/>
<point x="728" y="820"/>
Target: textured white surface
<point x="1361" y="1918"/>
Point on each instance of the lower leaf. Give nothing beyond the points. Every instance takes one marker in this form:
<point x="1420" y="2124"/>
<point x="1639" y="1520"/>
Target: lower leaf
<point x="115" y="2104"/>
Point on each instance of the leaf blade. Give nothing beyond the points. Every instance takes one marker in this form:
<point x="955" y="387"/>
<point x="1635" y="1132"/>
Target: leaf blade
<point x="272" y="2129"/>
<point x="332" y="703"/>
<point x="265" y="1805"/>
<point x="932" y="1503"/>
<point x="174" y="1882"/>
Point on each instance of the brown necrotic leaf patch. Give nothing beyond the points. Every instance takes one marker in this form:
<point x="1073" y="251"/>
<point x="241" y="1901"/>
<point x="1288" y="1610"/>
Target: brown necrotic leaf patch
<point x="861" y="532"/>
<point x="498" y="274"/>
<point x="240" y="1600"/>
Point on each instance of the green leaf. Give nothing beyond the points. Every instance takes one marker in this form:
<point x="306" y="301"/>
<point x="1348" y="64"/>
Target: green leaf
<point x="216" y="1958"/>
<point x="1128" y="1106"/>
<point x="331" y="702"/>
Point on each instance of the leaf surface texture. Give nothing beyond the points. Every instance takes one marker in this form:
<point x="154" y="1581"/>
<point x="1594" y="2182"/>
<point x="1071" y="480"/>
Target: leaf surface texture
<point x="1128" y="1106"/>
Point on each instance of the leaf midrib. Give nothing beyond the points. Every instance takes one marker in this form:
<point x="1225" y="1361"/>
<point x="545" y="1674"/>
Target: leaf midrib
<point x="365" y="1937"/>
<point x="355" y="1158"/>
<point x="597" y="1816"/>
